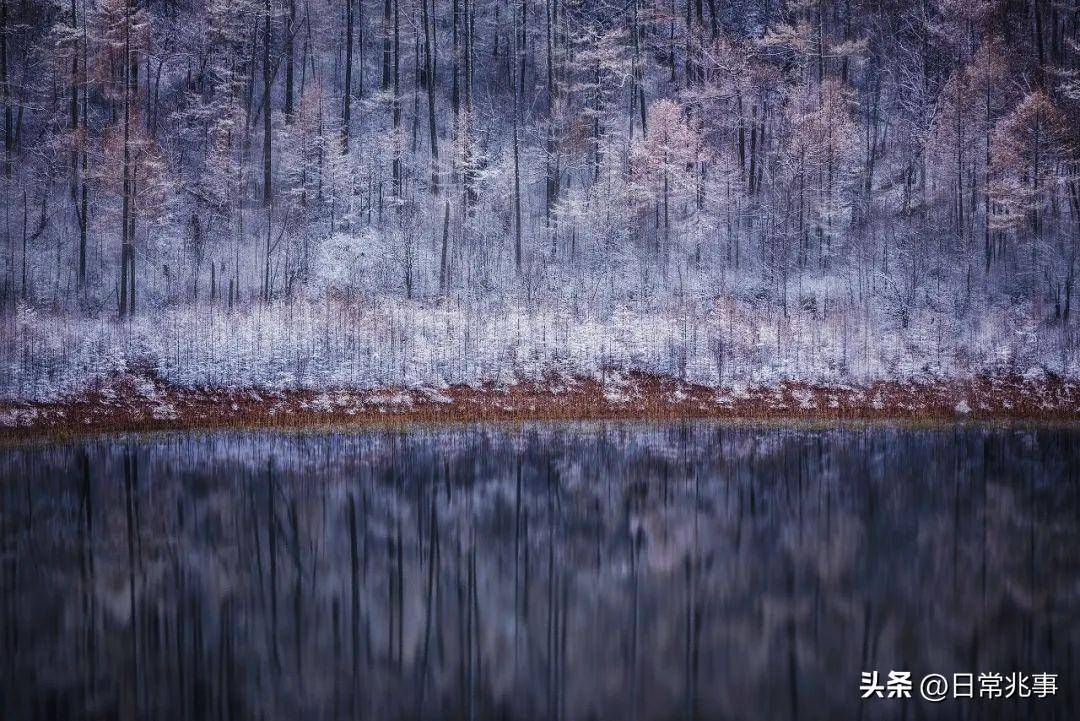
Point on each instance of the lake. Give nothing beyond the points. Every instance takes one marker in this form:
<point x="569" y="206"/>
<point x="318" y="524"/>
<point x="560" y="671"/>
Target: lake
<point x="581" y="571"/>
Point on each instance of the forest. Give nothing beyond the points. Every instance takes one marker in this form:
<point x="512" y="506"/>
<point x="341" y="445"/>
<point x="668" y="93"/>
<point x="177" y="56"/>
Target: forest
<point x="354" y="193"/>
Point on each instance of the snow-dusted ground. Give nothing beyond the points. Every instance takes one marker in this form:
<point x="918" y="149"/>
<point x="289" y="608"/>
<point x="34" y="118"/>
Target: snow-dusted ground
<point x="384" y="342"/>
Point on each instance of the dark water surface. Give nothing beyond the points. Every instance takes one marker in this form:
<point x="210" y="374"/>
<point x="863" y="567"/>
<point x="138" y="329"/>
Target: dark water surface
<point x="553" y="572"/>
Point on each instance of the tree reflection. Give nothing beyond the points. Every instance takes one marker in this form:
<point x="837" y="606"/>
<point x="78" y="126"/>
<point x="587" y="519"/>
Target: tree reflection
<point x="577" y="572"/>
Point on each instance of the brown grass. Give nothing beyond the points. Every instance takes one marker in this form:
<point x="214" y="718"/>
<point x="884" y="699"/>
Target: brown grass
<point x="145" y="403"/>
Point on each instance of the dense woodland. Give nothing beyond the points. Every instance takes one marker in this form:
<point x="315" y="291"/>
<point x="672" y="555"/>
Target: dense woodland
<point x="717" y="190"/>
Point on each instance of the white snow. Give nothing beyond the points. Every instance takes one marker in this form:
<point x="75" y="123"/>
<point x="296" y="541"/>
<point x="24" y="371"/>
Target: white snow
<point x="425" y="346"/>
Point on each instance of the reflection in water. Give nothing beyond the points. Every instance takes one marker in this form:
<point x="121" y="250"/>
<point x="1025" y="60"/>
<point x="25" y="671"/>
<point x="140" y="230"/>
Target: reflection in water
<point x="551" y="572"/>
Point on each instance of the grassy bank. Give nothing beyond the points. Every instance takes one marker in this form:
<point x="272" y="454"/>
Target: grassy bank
<point x="144" y="403"/>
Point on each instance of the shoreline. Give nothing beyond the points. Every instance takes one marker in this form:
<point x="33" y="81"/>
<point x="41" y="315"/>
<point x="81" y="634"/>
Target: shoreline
<point x="143" y="403"/>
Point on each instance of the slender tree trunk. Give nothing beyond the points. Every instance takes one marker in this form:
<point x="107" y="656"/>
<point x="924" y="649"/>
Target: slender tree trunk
<point x="268" y="140"/>
<point x="9" y="140"/>
<point x="397" y="98"/>
<point x="522" y="48"/>
<point x="83" y="196"/>
<point x="74" y="102"/>
<point x="386" y="33"/>
<point x="986" y="173"/>
<point x="75" y="143"/>
<point x="637" y="91"/>
<point x="1037" y="33"/>
<point x="131" y="242"/>
<point x="469" y="192"/>
<point x="429" y="70"/>
<point x="690" y="71"/>
<point x="517" y="170"/>
<point x="346" y="114"/>
<point x="25" y="220"/>
<point x="266" y="265"/>
<point x="550" y="163"/>
<point x="959" y="110"/>
<point x="249" y="99"/>
<point x="360" y="65"/>
<point x="753" y="150"/>
<point x="289" y="32"/>
<point x="455" y="96"/>
<point x="445" y="256"/>
<point x="125" y="237"/>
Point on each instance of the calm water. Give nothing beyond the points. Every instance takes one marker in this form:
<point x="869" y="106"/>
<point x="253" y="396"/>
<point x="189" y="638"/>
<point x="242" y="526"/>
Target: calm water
<point x="554" y="572"/>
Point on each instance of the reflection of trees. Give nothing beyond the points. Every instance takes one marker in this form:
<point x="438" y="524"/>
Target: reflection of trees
<point x="622" y="571"/>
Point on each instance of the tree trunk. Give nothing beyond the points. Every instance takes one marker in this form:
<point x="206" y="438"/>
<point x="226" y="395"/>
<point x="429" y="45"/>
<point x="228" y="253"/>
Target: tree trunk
<point x="346" y="113"/>
<point x="522" y="48"/>
<point x="986" y="173"/>
<point x="397" y="97"/>
<point x="517" y="169"/>
<point x="125" y="237"/>
<point x="8" y="125"/>
<point x="430" y="72"/>
<point x="444" y="260"/>
<point x="83" y="199"/>
<point x="74" y="102"/>
<point x="289" y="62"/>
<point x="268" y="147"/>
<point x="386" y="45"/>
